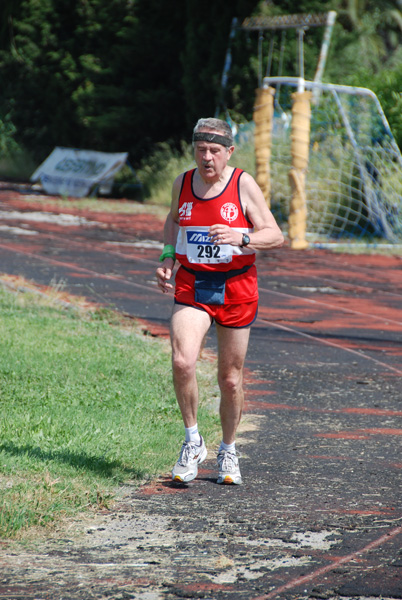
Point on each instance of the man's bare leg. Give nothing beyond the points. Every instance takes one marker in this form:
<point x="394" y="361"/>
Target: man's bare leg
<point x="232" y="348"/>
<point x="187" y="330"/>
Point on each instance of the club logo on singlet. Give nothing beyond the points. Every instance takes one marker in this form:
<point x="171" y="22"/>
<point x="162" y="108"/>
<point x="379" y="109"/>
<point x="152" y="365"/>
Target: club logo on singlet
<point x="229" y="212"/>
<point x="185" y="210"/>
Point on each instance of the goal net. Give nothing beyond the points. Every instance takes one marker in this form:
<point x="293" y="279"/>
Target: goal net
<point x="353" y="181"/>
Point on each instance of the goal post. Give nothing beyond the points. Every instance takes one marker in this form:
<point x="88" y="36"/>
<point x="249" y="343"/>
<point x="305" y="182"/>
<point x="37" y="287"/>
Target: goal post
<point x="300" y="139"/>
<point x="263" y="118"/>
<point x="325" y="156"/>
<point x="335" y="168"/>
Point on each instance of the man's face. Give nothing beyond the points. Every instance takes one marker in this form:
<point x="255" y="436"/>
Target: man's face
<point x="211" y="158"/>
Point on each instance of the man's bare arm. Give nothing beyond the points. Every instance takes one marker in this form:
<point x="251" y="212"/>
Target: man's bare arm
<point x="267" y="234"/>
<point x="165" y="270"/>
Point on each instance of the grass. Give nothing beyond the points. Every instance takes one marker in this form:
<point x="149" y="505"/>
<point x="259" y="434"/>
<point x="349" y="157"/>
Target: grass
<point x="161" y="169"/>
<point x="98" y="205"/>
<point x="86" y="405"/>
<point x="368" y="247"/>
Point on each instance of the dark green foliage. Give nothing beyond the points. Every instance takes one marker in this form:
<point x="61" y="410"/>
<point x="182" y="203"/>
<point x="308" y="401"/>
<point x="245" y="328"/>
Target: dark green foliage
<point x="112" y="76"/>
<point x="208" y="26"/>
<point x="387" y="85"/>
<point x="60" y="56"/>
<point x="125" y="75"/>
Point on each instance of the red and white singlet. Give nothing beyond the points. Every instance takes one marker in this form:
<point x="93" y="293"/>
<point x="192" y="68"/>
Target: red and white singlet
<point x="196" y="251"/>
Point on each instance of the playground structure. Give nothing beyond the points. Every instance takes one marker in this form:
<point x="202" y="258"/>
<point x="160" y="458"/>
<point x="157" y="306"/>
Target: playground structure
<point x="326" y="159"/>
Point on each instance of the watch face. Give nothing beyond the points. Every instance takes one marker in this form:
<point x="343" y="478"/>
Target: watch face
<point x="246" y="240"/>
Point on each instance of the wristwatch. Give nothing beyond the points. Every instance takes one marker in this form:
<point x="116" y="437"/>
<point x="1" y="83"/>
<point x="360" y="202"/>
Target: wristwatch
<point x="245" y="240"/>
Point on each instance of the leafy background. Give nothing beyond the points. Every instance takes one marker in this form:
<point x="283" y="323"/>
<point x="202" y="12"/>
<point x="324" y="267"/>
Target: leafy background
<point x="126" y="75"/>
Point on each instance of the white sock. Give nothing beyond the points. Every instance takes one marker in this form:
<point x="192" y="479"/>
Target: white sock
<point x="192" y="434"/>
<point x="228" y="447"/>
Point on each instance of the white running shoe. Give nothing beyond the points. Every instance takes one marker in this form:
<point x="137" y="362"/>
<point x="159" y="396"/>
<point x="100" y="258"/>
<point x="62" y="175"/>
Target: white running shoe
<point x="191" y="455"/>
<point x="229" y="471"/>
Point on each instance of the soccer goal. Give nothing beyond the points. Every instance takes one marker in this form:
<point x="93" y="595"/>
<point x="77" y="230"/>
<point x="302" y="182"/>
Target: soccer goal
<point x="335" y="170"/>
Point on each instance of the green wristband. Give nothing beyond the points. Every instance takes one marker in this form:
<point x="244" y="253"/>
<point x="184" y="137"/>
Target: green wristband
<point x="168" y="252"/>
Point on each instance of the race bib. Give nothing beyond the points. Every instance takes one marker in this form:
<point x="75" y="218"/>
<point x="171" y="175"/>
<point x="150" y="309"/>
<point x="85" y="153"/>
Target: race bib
<point x="201" y="249"/>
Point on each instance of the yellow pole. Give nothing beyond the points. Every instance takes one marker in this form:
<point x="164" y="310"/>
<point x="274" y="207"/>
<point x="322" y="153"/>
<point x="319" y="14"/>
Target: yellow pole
<point x="300" y="139"/>
<point x="263" y="118"/>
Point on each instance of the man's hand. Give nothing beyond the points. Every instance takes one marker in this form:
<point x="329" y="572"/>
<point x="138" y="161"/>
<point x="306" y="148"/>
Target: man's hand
<point x="223" y="234"/>
<point x="164" y="274"/>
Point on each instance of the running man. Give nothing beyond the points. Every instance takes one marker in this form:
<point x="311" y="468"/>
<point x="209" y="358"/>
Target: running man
<point x="217" y="221"/>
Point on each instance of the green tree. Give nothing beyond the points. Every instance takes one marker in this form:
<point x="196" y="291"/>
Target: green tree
<point x="369" y="31"/>
<point x="208" y="27"/>
<point x="134" y="99"/>
<point x="57" y="50"/>
<point x="118" y="75"/>
<point x="112" y="74"/>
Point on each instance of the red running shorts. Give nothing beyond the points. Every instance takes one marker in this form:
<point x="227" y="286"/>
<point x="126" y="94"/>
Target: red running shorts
<point x="230" y="314"/>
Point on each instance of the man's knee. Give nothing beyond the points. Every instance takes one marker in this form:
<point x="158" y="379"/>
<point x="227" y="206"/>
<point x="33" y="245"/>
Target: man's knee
<point x="183" y="366"/>
<point x="231" y="381"/>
